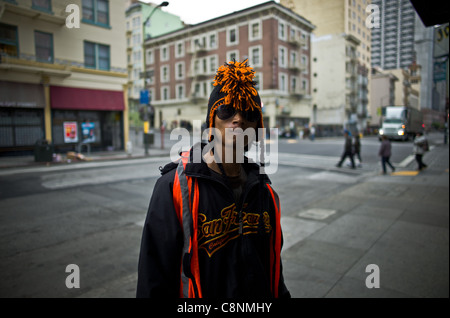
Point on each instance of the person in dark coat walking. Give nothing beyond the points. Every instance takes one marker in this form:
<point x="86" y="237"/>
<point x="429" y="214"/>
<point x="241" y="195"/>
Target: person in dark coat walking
<point x="357" y="149"/>
<point x="385" y="153"/>
<point x="348" y="151"/>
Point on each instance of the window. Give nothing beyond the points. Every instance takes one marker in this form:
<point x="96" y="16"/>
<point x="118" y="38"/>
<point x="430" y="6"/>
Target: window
<point x="255" y="54"/>
<point x="179" y="49"/>
<point x="233" y="55"/>
<point x="304" y="85"/>
<point x="96" y="56"/>
<point x="164" y="53"/>
<point x="9" y="44"/>
<point x="255" y="32"/>
<point x="165" y="93"/>
<point x="204" y="66"/>
<point x="293" y="84"/>
<point x="293" y="60"/>
<point x="150" y="57"/>
<point x="179" y="70"/>
<point x="44" y="46"/>
<point x="180" y="91"/>
<point x="42" y="5"/>
<point x="213" y="41"/>
<point x="232" y="36"/>
<point x="258" y="80"/>
<point x="282" y="56"/>
<point x="281" y="31"/>
<point x="165" y="74"/>
<point x="96" y="12"/>
<point x="212" y="64"/>
<point x="282" y="84"/>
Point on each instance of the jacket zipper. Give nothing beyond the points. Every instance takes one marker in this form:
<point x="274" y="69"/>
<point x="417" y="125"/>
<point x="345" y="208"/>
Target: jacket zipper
<point x="246" y="190"/>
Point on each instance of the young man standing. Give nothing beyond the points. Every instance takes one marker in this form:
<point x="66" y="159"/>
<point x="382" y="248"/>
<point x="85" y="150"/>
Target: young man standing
<point x="213" y="227"/>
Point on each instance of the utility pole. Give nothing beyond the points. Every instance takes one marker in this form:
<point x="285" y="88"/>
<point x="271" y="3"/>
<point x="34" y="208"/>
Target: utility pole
<point x="147" y="75"/>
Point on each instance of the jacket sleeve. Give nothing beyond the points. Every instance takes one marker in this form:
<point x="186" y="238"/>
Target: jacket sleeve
<point x="161" y="245"/>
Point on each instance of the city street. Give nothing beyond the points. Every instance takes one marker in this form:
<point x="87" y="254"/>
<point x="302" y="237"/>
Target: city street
<point x="91" y="214"/>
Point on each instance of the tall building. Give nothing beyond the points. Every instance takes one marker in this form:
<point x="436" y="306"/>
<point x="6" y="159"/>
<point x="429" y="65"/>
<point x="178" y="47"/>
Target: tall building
<point x="63" y="74"/>
<point x="275" y="40"/>
<point x="403" y="45"/>
<point x="341" y="62"/>
<point x="393" y="41"/>
<point x="160" y="22"/>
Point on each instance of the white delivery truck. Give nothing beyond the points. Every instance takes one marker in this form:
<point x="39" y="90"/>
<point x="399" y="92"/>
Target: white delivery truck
<point x="401" y="122"/>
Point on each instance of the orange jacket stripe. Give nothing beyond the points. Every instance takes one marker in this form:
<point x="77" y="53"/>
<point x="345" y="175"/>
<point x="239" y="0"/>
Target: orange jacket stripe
<point x="276" y="259"/>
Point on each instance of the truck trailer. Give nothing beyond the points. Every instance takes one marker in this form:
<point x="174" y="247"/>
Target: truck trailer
<point x="401" y="123"/>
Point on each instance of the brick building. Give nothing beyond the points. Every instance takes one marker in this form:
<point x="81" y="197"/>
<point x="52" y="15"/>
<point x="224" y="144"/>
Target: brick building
<point x="276" y="41"/>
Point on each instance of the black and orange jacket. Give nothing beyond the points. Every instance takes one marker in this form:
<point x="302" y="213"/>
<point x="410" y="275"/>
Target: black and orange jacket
<point x="227" y="249"/>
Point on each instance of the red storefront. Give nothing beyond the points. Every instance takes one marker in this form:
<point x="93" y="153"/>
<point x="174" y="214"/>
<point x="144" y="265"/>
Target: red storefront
<point x="96" y="115"/>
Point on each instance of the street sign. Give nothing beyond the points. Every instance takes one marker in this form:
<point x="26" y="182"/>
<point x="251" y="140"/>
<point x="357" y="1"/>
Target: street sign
<point x="144" y="97"/>
<point x="147" y="74"/>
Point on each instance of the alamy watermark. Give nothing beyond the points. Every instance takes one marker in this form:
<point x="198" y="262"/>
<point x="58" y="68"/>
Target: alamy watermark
<point x="373" y="20"/>
<point x="373" y="279"/>
<point x="73" y="279"/>
<point x="73" y="19"/>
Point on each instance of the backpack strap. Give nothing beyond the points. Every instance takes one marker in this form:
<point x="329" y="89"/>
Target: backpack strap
<point x="185" y="198"/>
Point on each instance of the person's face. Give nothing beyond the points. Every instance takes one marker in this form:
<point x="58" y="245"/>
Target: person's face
<point x="229" y="131"/>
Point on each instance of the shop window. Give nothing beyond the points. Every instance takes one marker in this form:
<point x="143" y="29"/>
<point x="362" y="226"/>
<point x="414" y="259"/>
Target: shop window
<point x="21" y="127"/>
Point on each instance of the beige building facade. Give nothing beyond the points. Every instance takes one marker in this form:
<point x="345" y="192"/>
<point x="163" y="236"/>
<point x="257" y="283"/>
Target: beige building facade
<point x="63" y="74"/>
<point x="383" y="88"/>
<point x="341" y="62"/>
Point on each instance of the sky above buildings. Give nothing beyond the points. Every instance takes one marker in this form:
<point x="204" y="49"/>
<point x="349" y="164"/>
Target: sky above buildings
<point x="196" y="11"/>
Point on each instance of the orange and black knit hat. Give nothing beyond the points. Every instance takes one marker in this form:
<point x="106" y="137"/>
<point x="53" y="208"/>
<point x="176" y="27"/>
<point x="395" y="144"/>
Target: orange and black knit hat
<point x="234" y="85"/>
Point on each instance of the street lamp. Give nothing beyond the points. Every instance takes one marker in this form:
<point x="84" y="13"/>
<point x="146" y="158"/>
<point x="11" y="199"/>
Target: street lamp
<point x="162" y="4"/>
<point x="146" y="115"/>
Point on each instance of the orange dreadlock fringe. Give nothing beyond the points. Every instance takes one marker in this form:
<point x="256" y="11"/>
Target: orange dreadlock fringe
<point x="237" y="82"/>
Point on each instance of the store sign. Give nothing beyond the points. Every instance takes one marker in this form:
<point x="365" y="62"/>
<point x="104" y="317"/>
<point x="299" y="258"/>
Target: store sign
<point x="88" y="132"/>
<point x="440" y="71"/>
<point x="70" y="132"/>
<point x="441" y="34"/>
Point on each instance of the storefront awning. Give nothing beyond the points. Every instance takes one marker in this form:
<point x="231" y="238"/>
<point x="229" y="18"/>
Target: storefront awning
<point x="86" y="99"/>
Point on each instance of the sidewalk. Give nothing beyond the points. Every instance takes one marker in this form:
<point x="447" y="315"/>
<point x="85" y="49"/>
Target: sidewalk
<point x="137" y="152"/>
<point x="398" y="222"/>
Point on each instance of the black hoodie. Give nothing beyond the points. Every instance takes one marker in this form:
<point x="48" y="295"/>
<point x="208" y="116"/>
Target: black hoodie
<point x="232" y="265"/>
